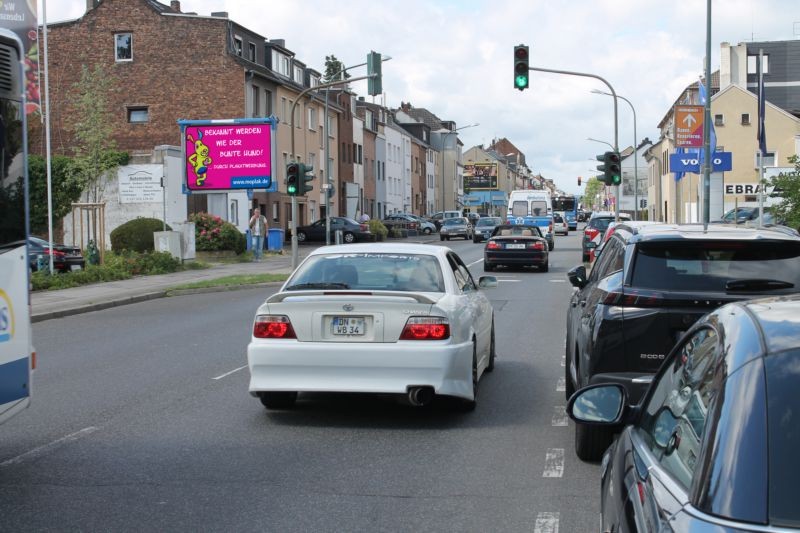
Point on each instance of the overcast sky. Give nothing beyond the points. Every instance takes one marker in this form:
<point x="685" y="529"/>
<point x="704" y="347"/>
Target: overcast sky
<point x="454" y="57"/>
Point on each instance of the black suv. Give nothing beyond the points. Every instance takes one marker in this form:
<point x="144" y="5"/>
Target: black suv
<point x="651" y="283"/>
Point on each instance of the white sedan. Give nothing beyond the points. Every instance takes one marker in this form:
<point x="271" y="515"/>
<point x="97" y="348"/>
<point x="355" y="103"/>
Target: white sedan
<point x="404" y="319"/>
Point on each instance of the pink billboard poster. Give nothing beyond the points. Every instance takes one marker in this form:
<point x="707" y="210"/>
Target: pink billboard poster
<point x="220" y="157"/>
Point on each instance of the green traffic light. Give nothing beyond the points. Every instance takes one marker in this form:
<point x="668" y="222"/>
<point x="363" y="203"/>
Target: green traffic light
<point x="521" y="81"/>
<point x="291" y="189"/>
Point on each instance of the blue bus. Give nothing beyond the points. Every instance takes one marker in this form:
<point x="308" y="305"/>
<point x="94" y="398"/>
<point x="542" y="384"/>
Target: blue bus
<point x="567" y="206"/>
<point x="17" y="359"/>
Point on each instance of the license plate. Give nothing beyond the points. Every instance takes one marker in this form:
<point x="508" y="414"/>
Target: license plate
<point x="347" y="325"/>
<point x="75" y="267"/>
<point x="515" y="246"/>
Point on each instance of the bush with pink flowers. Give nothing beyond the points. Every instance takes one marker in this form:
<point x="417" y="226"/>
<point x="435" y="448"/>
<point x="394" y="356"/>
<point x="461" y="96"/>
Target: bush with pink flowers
<point x="214" y="234"/>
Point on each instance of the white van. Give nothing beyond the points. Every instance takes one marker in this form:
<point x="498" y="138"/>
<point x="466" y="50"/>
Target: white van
<point x="529" y="203"/>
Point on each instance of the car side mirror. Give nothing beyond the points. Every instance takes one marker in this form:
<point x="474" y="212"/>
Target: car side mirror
<point x="577" y="276"/>
<point x="601" y="404"/>
<point x="487" y="282"/>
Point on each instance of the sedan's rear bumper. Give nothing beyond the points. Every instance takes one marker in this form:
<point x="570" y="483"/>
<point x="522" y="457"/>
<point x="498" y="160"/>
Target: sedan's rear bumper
<point x="515" y="258"/>
<point x="288" y="365"/>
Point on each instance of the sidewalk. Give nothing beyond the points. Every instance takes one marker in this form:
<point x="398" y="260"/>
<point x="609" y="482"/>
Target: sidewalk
<point x="54" y="304"/>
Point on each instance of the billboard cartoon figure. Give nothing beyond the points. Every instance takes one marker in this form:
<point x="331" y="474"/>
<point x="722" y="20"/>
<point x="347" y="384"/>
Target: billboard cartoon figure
<point x="199" y="159"/>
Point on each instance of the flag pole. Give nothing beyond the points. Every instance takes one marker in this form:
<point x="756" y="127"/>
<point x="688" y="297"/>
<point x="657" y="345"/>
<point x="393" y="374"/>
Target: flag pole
<point x="761" y="137"/>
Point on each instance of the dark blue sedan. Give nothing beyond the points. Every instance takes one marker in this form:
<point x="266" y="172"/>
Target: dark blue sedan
<point x="714" y="446"/>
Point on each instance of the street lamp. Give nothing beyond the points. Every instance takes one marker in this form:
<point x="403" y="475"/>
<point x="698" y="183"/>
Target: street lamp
<point x="444" y="160"/>
<point x="599" y="141"/>
<point x="635" y="155"/>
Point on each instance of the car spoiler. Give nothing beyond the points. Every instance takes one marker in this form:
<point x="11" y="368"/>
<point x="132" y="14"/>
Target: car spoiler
<point x="297" y="296"/>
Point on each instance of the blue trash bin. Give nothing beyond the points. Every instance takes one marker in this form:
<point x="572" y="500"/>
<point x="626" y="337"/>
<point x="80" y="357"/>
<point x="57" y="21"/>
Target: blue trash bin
<point x="275" y="240"/>
<point x="248" y="240"/>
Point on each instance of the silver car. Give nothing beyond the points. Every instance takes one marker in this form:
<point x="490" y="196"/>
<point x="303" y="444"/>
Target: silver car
<point x="455" y="227"/>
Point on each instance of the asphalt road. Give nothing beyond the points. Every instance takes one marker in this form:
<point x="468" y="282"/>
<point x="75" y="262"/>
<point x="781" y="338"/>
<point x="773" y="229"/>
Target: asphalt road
<point x="141" y="421"/>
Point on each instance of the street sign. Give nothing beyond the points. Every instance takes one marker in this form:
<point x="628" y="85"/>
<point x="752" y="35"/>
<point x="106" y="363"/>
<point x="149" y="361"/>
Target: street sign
<point x="689" y="126"/>
<point x="744" y="188"/>
<point x="720" y="162"/>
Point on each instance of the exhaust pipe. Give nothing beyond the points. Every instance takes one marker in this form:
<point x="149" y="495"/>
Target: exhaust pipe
<point x="420" y="396"/>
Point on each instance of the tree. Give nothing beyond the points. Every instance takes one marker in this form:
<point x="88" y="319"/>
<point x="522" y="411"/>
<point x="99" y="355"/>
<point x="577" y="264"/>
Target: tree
<point x="787" y="187"/>
<point x="333" y="69"/>
<point x="593" y="188"/>
<point x="95" y="149"/>
<point x="67" y="187"/>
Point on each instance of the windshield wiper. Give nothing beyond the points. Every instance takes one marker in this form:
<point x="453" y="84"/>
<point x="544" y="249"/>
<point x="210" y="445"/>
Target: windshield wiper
<point x="757" y="285"/>
<point x="325" y="285"/>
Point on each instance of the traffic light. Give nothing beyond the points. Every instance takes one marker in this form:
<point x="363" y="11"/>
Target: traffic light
<point x="521" y="67"/>
<point x="374" y="84"/>
<point x="292" y="178"/>
<point x="579" y="181"/>
<point x="307" y="175"/>
<point x="612" y="173"/>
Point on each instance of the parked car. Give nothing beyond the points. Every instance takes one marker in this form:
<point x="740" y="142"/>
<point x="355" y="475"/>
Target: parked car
<point x="594" y="229"/>
<point x="417" y="326"/>
<point x="455" y="227"/>
<point x="560" y="226"/>
<point x="439" y="217"/>
<point x="425" y="226"/>
<point x="651" y="283"/>
<point x="352" y="231"/>
<point x="65" y="258"/>
<point x="516" y="245"/>
<point x="713" y="445"/>
<point x="484" y="228"/>
<point x="400" y="221"/>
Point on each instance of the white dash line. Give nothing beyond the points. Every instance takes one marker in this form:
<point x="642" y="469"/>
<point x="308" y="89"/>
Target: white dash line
<point x="41" y="450"/>
<point x="561" y="385"/>
<point x="560" y="416"/>
<point x="558" y="281"/>
<point x="231" y="372"/>
<point x="563" y="360"/>
<point x="546" y="523"/>
<point x="554" y="463"/>
<point x="475" y="262"/>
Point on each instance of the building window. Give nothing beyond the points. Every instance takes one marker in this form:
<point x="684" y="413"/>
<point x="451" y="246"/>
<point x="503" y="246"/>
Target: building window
<point x="251" y="52"/>
<point x="313" y="81"/>
<point x="312" y="118"/>
<point x="256" y="98"/>
<point x="284" y="111"/>
<point x="275" y="210"/>
<point x="719" y="120"/>
<point x="237" y="46"/>
<point x="298" y="75"/>
<point x="138" y="115"/>
<point x="234" y="216"/>
<point x="752" y="62"/>
<point x="280" y="63"/>
<point x="123" y="46"/>
<point x="268" y="105"/>
<point x="745" y="119"/>
<point x="769" y="159"/>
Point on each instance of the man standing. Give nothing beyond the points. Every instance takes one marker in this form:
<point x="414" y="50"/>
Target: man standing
<point x="258" y="229"/>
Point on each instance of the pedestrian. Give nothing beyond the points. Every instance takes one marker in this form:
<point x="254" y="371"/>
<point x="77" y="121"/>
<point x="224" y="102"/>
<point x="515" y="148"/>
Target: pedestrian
<point x="363" y="218"/>
<point x="258" y="229"/>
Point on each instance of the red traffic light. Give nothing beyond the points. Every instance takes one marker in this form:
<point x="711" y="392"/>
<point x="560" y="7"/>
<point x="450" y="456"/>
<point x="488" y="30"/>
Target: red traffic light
<point x="521" y="52"/>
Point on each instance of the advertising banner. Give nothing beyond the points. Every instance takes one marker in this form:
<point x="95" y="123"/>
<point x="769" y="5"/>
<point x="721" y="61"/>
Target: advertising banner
<point x="20" y="17"/>
<point x="479" y="176"/>
<point x="226" y="156"/>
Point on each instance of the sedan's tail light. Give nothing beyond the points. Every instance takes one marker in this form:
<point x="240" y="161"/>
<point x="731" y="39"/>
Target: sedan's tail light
<point x="273" y="327"/>
<point x="538" y="245"/>
<point x="56" y="253"/>
<point x="493" y="245"/>
<point x="363" y="227"/>
<point x="634" y="298"/>
<point x="426" y="328"/>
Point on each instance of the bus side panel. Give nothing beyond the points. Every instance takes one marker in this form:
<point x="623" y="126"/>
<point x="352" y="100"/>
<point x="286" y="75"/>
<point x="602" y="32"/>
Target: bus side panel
<point x="15" y="333"/>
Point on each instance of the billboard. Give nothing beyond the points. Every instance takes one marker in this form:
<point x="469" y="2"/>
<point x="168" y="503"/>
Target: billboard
<point x="227" y="155"/>
<point x="20" y="17"/>
<point x="479" y="176"/>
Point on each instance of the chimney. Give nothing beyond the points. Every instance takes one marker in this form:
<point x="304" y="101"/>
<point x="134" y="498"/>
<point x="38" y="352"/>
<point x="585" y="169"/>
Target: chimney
<point x="220" y="14"/>
<point x="279" y="42"/>
<point x="175" y="5"/>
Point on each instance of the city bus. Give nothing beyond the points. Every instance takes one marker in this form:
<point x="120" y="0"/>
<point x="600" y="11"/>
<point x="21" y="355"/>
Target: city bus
<point x="567" y="206"/>
<point x="17" y="359"/>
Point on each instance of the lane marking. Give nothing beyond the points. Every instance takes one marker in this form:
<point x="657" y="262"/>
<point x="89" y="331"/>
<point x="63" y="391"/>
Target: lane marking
<point x="546" y="523"/>
<point x="231" y="372"/>
<point x="561" y="385"/>
<point x="560" y="416"/>
<point x="41" y="450"/>
<point x="475" y="262"/>
<point x="563" y="360"/>
<point x="509" y="280"/>
<point x="558" y="281"/>
<point x="554" y="463"/>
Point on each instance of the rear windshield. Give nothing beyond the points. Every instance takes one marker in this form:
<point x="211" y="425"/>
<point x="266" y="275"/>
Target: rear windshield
<point x="783" y="412"/>
<point x="600" y="223"/>
<point x="394" y="272"/>
<point x="491" y="221"/>
<point x="710" y="266"/>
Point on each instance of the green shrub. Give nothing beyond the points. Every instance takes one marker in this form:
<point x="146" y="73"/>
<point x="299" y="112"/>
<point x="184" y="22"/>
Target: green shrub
<point x="376" y="227"/>
<point x="136" y="235"/>
<point x="214" y="234"/>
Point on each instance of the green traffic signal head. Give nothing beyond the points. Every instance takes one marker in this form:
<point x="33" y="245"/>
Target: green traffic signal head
<point x="521" y="67"/>
<point x="292" y="177"/>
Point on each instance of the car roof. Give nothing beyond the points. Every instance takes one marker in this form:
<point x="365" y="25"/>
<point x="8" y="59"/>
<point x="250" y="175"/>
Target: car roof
<point x="383" y="248"/>
<point x="779" y="320"/>
<point x="654" y="231"/>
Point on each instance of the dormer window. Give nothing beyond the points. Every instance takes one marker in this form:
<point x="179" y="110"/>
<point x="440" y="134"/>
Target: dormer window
<point x="237" y="45"/>
<point x="123" y="47"/>
<point x="252" y="52"/>
<point x="298" y="75"/>
<point x="280" y="63"/>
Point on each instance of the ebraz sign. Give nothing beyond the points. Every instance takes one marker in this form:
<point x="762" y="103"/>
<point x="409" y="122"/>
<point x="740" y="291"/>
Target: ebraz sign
<point x="743" y="188"/>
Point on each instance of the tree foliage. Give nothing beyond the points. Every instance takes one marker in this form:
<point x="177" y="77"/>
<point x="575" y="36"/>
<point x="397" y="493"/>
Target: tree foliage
<point x="593" y="188"/>
<point x="333" y="69"/>
<point x="787" y="188"/>
<point x="95" y="149"/>
<point x="67" y="187"/>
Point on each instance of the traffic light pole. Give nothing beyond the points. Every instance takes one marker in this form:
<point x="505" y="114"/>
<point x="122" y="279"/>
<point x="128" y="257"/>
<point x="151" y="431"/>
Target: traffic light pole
<point x="293" y="225"/>
<point x="616" y="123"/>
